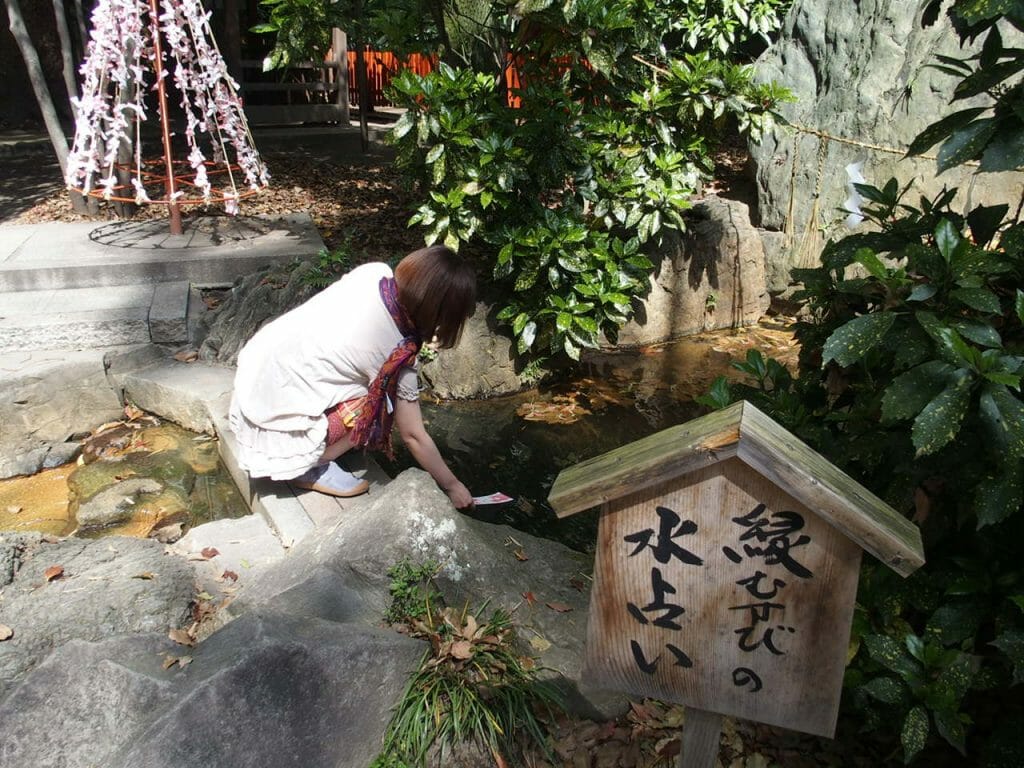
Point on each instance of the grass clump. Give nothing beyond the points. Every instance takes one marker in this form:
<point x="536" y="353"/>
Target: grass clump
<point x="473" y="687"/>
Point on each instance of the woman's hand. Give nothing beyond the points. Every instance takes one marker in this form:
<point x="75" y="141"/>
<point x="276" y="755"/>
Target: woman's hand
<point x="460" y="496"/>
<point x="409" y="420"/>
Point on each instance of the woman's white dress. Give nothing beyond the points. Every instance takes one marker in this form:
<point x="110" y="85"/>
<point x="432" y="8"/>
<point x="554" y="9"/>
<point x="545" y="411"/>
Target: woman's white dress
<point x="319" y="354"/>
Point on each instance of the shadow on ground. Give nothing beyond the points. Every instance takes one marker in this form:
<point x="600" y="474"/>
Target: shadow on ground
<point x="26" y="181"/>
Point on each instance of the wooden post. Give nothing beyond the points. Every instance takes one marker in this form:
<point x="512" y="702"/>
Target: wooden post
<point x="701" y="733"/>
<point x="339" y="44"/>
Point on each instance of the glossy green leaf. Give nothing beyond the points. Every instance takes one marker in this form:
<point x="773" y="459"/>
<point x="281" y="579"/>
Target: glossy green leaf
<point x="910" y="392"/>
<point x="979" y="332"/>
<point x="1011" y="642"/>
<point x="938" y="131"/>
<point x="947" y="238"/>
<point x="965" y="144"/>
<point x="850" y="342"/>
<point x="997" y="496"/>
<point x="894" y="657"/>
<point x="922" y="292"/>
<point x="435" y="152"/>
<point x="1003" y="414"/>
<point x="940" y="420"/>
<point x="914" y="734"/>
<point x="980" y="299"/>
<point x="867" y="259"/>
<point x="887" y="690"/>
<point x="951" y="728"/>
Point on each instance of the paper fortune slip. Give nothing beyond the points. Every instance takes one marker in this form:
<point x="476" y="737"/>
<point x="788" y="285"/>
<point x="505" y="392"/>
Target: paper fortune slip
<point x="493" y="498"/>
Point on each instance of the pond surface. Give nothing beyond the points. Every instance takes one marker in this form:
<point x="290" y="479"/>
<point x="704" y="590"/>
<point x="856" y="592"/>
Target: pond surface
<point x="134" y="478"/>
<point x="518" y="444"/>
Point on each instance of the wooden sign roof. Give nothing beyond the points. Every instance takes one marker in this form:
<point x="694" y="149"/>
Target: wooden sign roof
<point x="744" y="432"/>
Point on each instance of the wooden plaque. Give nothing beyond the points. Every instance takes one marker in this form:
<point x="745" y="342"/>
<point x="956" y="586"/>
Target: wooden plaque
<point x="719" y="591"/>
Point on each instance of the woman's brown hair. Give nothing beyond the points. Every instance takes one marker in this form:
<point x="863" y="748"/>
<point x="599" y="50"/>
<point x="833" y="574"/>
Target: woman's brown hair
<point x="437" y="288"/>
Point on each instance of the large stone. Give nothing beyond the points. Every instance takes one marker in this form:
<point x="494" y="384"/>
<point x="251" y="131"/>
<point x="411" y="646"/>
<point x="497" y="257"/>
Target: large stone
<point x="272" y="690"/>
<point x="109" y="586"/>
<point x="863" y="90"/>
<point x="713" y="276"/>
<point x="115" y="504"/>
<point x="482" y="365"/>
<point x="86" y="701"/>
<point x="189" y="394"/>
<point x="49" y="398"/>
<point x="414" y="520"/>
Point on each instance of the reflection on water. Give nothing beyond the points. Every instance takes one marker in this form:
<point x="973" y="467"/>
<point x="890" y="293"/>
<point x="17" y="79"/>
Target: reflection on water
<point x="101" y="494"/>
<point x="519" y="444"/>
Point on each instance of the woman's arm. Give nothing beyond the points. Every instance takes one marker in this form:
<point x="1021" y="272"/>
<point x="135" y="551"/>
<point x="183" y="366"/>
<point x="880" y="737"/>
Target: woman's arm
<point x="409" y="420"/>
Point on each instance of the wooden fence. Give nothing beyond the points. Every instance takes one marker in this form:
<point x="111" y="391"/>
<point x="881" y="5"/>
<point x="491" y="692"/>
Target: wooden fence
<point x="321" y="92"/>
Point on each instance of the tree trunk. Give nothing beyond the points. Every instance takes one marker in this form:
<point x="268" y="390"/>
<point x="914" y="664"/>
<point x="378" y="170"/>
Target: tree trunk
<point x="233" y="39"/>
<point x="83" y="34"/>
<point x="35" y="76"/>
<point x="66" y="53"/>
<point x="42" y="92"/>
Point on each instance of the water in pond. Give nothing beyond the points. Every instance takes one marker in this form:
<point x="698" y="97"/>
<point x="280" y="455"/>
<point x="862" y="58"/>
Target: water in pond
<point x="136" y="478"/>
<point x="518" y="444"/>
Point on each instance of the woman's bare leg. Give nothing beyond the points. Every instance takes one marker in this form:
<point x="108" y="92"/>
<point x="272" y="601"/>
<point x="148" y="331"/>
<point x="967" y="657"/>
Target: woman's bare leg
<point x="333" y="451"/>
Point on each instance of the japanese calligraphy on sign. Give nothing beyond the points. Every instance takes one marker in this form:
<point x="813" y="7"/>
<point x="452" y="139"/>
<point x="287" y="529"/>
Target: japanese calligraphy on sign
<point x="721" y="592"/>
<point x="726" y="569"/>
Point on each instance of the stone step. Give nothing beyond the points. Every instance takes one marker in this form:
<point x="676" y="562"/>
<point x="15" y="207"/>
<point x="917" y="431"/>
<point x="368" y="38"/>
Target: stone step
<point x="214" y="250"/>
<point x="87" y="318"/>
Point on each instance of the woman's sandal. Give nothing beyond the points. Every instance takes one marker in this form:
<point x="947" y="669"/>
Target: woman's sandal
<point x="332" y="480"/>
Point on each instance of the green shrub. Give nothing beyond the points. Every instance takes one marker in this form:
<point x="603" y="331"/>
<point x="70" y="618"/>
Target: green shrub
<point x="910" y="379"/>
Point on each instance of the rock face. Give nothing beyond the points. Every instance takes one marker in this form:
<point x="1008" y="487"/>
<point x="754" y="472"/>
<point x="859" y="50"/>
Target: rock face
<point x="255" y="300"/>
<point x="268" y="690"/>
<point x="858" y="71"/>
<point x="482" y="365"/>
<point x="346" y="572"/>
<point x="302" y="672"/>
<point x="711" y="277"/>
<point x="99" y="594"/>
<point x="46" y="403"/>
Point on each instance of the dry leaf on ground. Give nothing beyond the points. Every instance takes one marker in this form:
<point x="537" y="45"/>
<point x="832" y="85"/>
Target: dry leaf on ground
<point x="181" y="637"/>
<point x="6" y="633"/>
<point x="53" y="572"/>
<point x="560" y="607"/>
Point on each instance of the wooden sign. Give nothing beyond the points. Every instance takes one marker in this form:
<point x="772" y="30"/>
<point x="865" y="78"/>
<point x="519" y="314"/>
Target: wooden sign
<point x="722" y="592"/>
<point x="726" y="570"/>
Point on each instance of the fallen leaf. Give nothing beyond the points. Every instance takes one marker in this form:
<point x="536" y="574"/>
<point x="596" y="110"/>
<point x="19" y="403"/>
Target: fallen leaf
<point x="577" y="583"/>
<point x="530" y="598"/>
<point x="187" y="356"/>
<point x="463" y="649"/>
<point x="560" y="607"/>
<point x="184" y="661"/>
<point x="205" y="596"/>
<point x="521" y="556"/>
<point x="12" y="510"/>
<point x="229" y="576"/>
<point x="6" y="633"/>
<point x="169" y="661"/>
<point x="147" y="575"/>
<point x="539" y="644"/>
<point x="131" y="412"/>
<point x="53" y="572"/>
<point x="209" y="552"/>
<point x="181" y="637"/>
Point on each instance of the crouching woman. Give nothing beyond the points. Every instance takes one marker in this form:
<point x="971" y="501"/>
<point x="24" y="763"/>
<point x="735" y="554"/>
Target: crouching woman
<point x="338" y="371"/>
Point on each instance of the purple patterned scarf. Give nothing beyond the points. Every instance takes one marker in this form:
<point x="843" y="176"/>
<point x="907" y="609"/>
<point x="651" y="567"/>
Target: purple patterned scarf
<point x="373" y="427"/>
